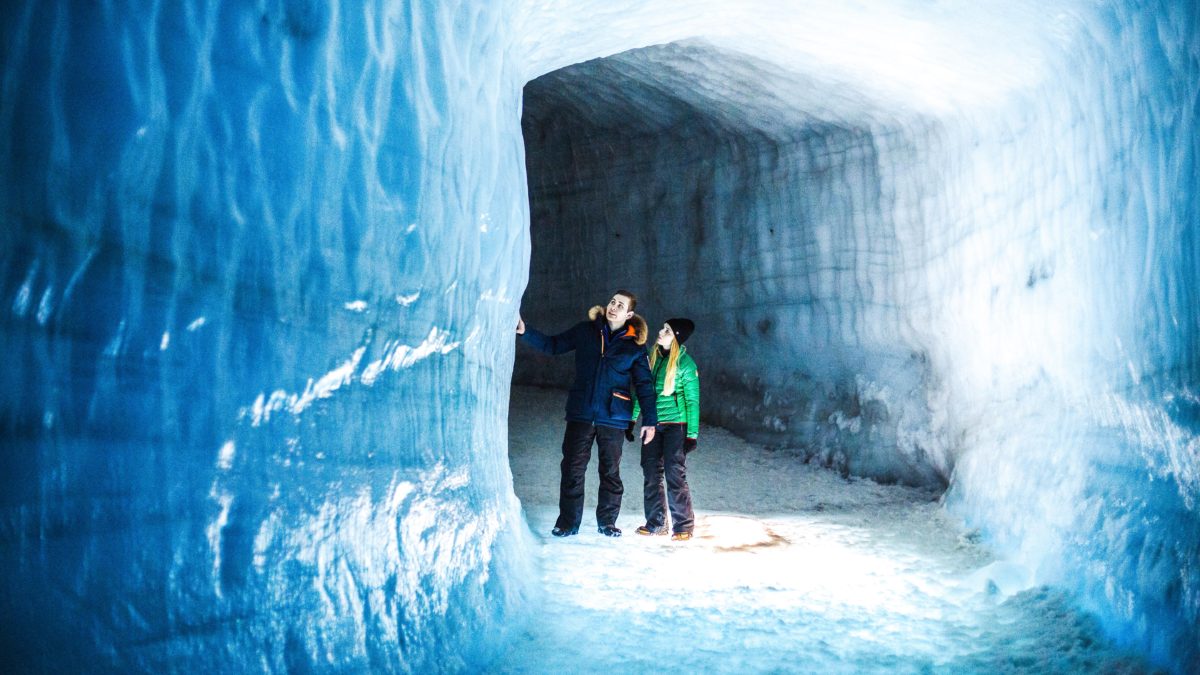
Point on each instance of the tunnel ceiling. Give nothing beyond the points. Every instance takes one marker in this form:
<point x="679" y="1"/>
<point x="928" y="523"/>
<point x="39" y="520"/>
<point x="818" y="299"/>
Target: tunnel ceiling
<point x="823" y="60"/>
<point x="695" y="87"/>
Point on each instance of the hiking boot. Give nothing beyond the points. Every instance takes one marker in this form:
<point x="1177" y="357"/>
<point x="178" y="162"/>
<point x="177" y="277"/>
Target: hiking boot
<point x="609" y="530"/>
<point x="564" y="532"/>
<point x="681" y="536"/>
<point x="650" y="532"/>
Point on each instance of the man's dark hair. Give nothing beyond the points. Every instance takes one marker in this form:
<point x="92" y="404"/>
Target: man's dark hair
<point x="631" y="296"/>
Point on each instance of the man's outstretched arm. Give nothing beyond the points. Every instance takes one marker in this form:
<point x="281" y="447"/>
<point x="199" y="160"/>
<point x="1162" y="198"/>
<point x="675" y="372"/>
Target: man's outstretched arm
<point x="550" y="344"/>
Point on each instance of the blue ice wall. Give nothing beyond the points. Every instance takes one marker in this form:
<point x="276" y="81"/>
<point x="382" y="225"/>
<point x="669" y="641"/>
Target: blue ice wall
<point x="1085" y="449"/>
<point x="258" y="262"/>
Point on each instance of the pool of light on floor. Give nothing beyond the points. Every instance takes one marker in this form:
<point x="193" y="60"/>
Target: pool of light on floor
<point x="792" y="593"/>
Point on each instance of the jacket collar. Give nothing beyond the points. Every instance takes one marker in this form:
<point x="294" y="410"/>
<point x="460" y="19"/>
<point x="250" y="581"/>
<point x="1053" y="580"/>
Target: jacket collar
<point x="625" y="332"/>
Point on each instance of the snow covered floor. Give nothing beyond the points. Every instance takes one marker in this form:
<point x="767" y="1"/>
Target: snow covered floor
<point x="793" y="569"/>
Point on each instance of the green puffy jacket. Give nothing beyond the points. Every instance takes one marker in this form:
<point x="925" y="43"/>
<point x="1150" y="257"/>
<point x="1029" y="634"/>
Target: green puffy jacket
<point x="684" y="404"/>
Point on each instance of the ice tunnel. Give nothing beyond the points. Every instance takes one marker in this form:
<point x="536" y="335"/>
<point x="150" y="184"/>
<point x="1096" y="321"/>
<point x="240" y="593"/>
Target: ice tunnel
<point x="262" y="262"/>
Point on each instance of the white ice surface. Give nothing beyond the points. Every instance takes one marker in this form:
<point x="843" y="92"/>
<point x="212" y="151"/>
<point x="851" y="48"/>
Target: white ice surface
<point x="793" y="569"/>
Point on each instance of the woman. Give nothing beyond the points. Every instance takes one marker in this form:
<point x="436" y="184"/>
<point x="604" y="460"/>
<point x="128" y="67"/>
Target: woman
<point x="677" y="384"/>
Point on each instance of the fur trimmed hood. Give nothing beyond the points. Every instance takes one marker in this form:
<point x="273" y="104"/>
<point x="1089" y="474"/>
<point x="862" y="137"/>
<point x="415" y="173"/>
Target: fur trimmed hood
<point x="637" y="324"/>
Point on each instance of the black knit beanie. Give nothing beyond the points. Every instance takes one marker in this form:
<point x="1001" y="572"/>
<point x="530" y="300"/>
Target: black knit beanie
<point x="682" y="327"/>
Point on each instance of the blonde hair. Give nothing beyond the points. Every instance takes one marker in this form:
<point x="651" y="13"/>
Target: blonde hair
<point x="672" y="366"/>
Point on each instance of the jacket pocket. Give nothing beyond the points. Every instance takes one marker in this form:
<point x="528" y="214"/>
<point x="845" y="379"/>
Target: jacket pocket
<point x="620" y="405"/>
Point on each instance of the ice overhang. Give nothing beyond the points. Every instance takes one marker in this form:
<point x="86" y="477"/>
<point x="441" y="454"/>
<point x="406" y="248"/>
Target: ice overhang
<point x="823" y="60"/>
<point x="693" y="87"/>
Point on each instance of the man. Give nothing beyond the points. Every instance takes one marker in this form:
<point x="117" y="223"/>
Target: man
<point x="611" y="367"/>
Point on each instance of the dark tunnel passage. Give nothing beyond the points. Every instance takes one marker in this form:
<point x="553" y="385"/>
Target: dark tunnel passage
<point x="770" y="220"/>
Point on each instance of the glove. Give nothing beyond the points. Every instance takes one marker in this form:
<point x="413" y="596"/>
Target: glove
<point x="689" y="444"/>
<point x="629" y="432"/>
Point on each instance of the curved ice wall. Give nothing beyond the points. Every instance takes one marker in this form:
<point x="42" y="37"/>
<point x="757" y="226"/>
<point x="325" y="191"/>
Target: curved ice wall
<point x="261" y="263"/>
<point x="974" y="266"/>
<point x="258" y="267"/>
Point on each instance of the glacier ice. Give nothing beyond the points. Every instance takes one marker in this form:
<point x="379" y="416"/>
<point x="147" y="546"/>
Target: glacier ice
<point x="248" y="421"/>
<point x="262" y="262"/>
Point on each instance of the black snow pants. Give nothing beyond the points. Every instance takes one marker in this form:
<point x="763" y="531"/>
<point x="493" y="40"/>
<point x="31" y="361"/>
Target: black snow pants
<point x="665" y="452"/>
<point x="577" y="452"/>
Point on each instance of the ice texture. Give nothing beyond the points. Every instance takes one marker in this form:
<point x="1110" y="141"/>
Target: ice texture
<point x="262" y="261"/>
<point x="257" y="337"/>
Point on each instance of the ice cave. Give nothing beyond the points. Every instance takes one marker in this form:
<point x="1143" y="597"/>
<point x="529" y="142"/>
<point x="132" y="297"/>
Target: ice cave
<point x="263" y="408"/>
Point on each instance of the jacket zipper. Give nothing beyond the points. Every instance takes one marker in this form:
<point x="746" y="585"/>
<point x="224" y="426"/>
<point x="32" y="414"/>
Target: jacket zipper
<point x="596" y="376"/>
